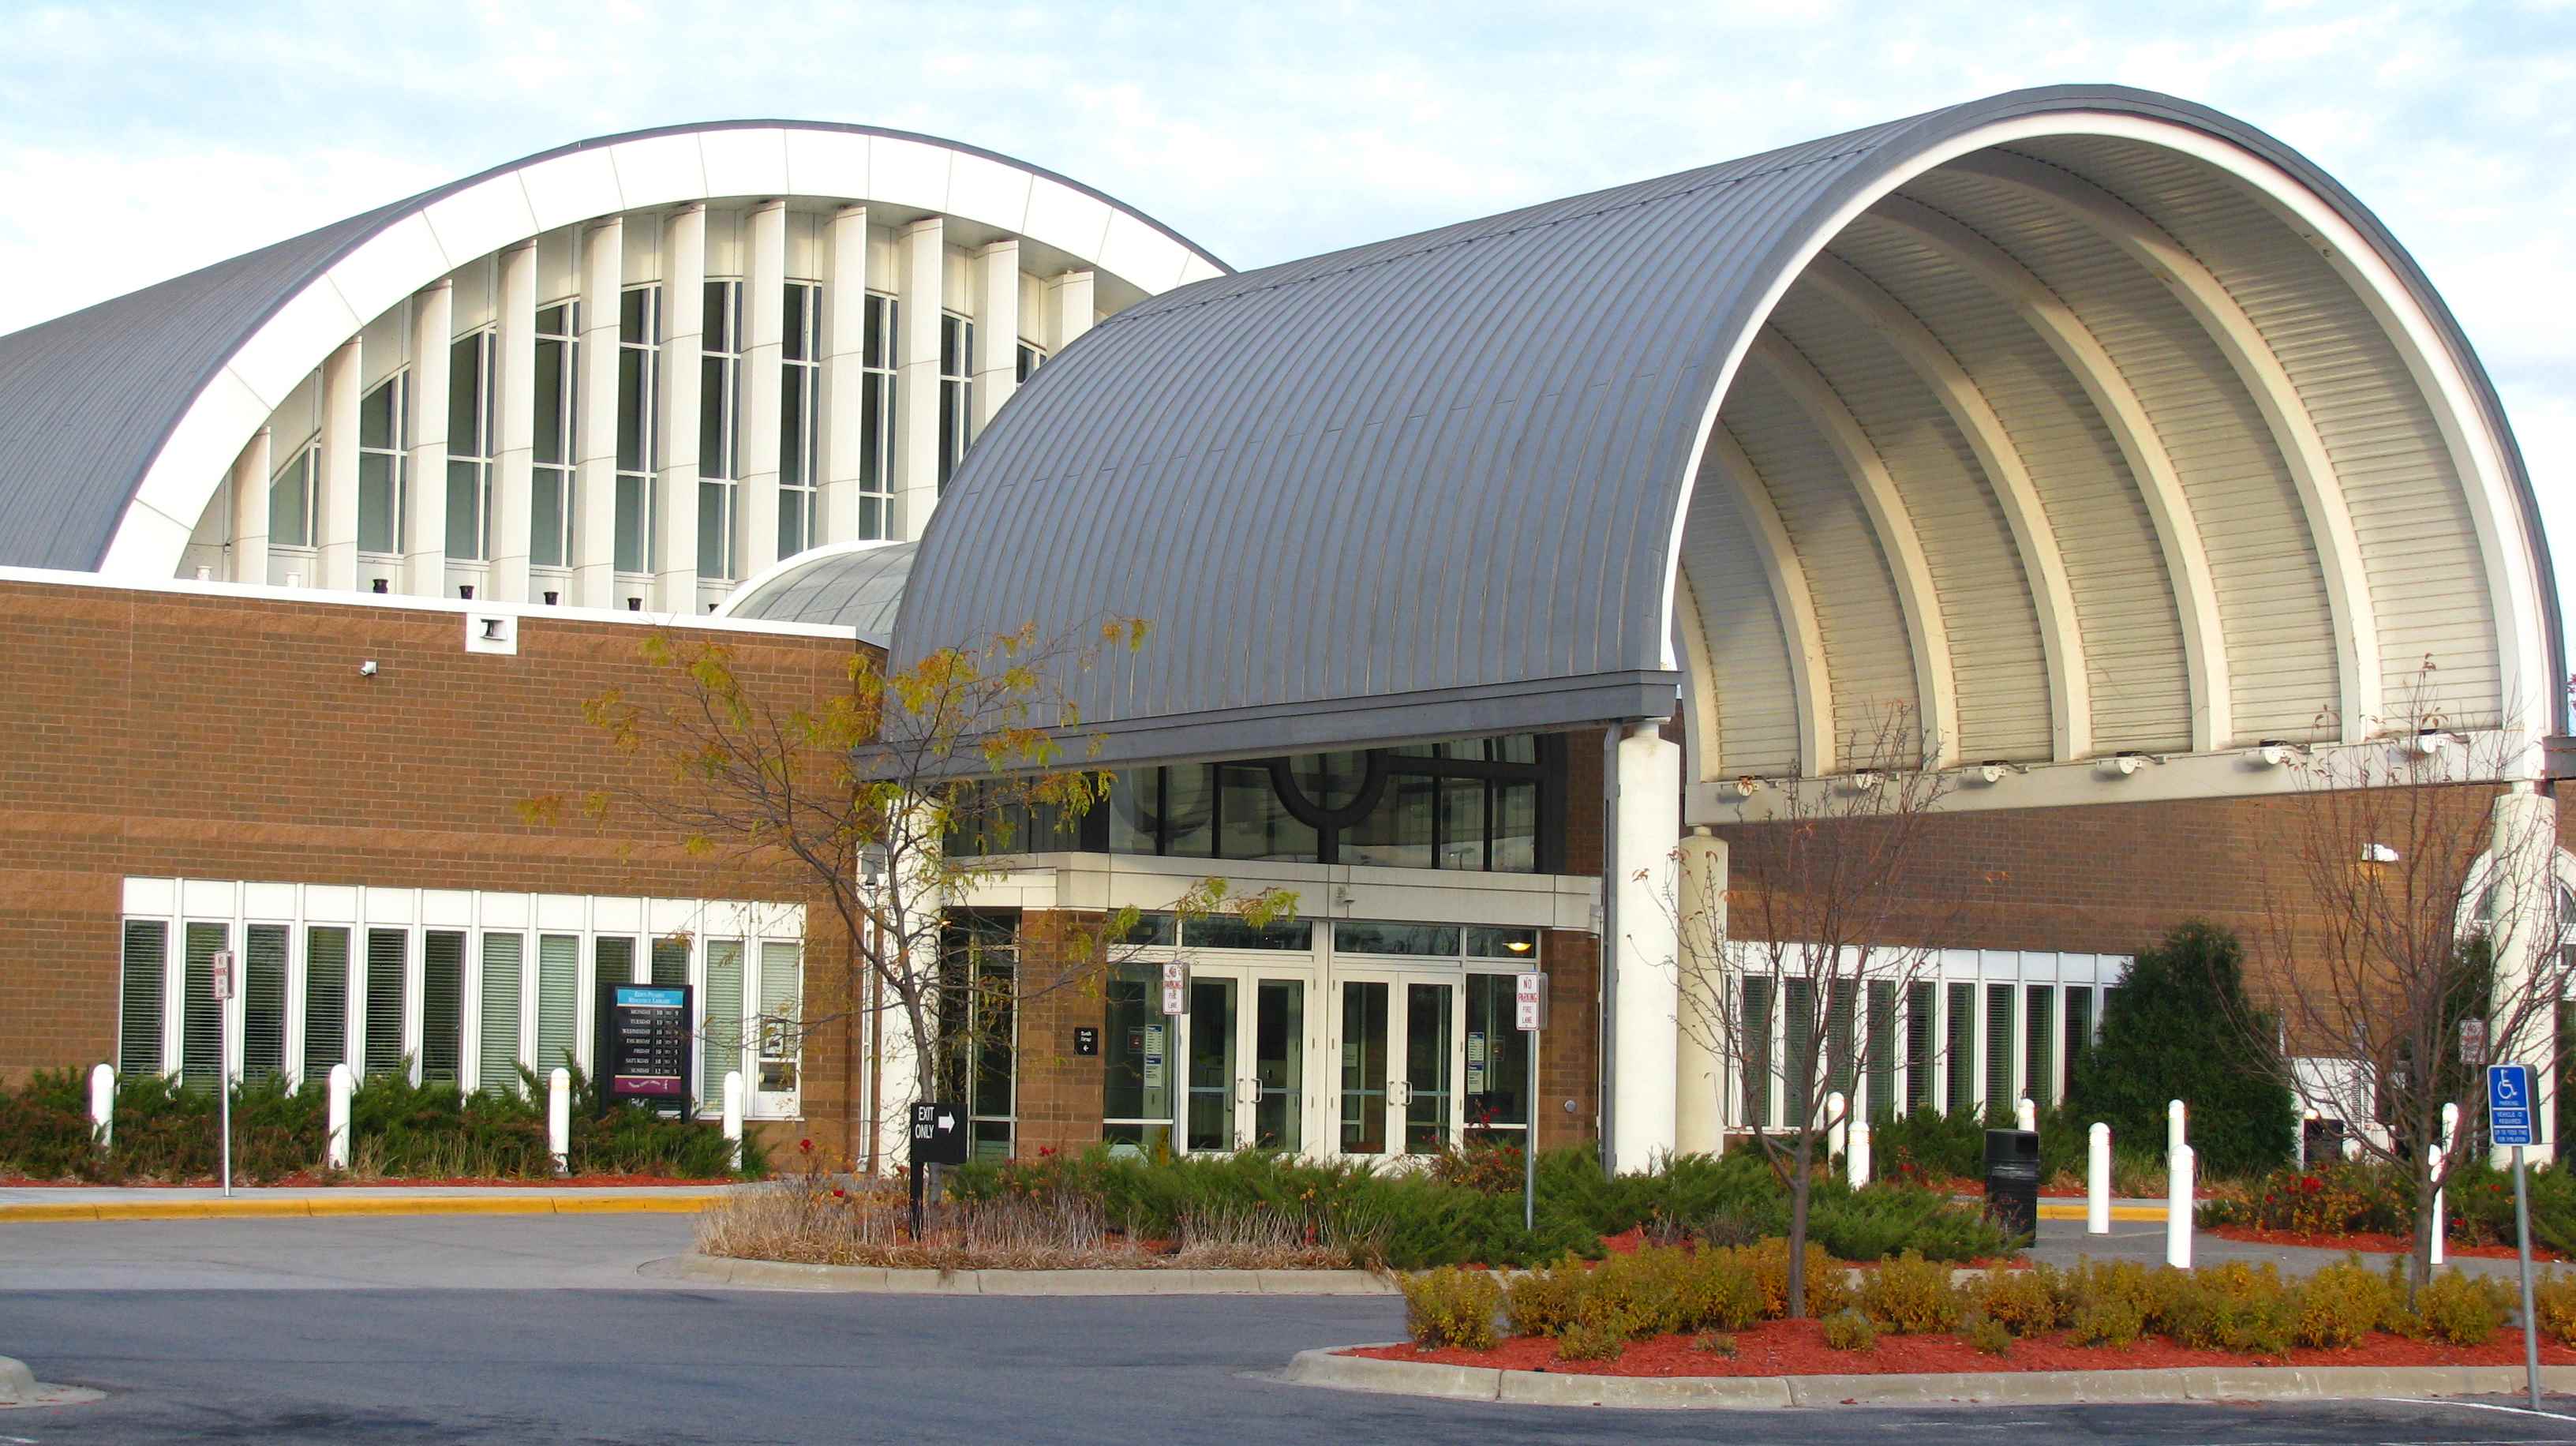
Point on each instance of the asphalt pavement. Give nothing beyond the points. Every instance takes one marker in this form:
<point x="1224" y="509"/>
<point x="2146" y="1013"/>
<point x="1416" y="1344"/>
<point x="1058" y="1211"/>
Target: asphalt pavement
<point x="505" y="1329"/>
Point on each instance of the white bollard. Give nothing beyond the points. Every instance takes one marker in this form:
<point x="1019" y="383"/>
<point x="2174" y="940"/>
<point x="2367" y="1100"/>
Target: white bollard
<point x="2097" y="1180"/>
<point x="733" y="1113"/>
<point x="559" y="1118"/>
<point x="2433" y="1165"/>
<point x="2352" y="1147"/>
<point x="2025" y="1114"/>
<point x="2174" y="1127"/>
<point x="1838" y="1132"/>
<point x="1858" y="1160"/>
<point x="2178" y="1210"/>
<point x="335" y="1140"/>
<point x="102" y="1104"/>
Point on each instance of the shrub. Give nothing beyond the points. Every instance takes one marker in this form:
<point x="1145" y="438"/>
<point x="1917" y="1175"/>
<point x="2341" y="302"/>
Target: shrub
<point x="1884" y="1221"/>
<point x="1542" y="1302"/>
<point x="1585" y="1341"/>
<point x="2340" y="1306"/>
<point x="1637" y="1295"/>
<point x="2460" y="1310"/>
<point x="2106" y="1320"/>
<point x="1911" y="1296"/>
<point x="1717" y="1289"/>
<point x="2166" y="1035"/>
<point x="1990" y="1336"/>
<point x="1827" y="1291"/>
<point x="2231" y="1307"/>
<point x="1716" y="1343"/>
<point x="1451" y="1307"/>
<point x="2553" y="1306"/>
<point x="1849" y="1330"/>
<point x="2024" y="1302"/>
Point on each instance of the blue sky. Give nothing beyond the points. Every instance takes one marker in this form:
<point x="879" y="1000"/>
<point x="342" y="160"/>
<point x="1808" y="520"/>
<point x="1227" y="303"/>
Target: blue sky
<point x="140" y="141"/>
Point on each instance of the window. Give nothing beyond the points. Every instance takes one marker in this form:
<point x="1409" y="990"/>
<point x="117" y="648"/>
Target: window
<point x="2038" y="1032"/>
<point x="558" y="1002"/>
<point x="1961" y="1047"/>
<point x="1409" y="940"/>
<point x="442" y="1031"/>
<point x="388" y="960"/>
<point x="782" y="1034"/>
<point x="877" y="362"/>
<point x="504" y="985"/>
<point x="956" y="392"/>
<point x="1136" y="1089"/>
<point x="2079" y="1027"/>
<point x="290" y="498"/>
<point x="1999" y="1048"/>
<point x="1881" y="1051"/>
<point x="326" y="999"/>
<point x="472" y="431"/>
<point x="1498" y="1097"/>
<point x="979" y="1025"/>
<point x="263" y="1002"/>
<point x="799" y="389"/>
<point x="721" y="1052"/>
<point x="558" y="382"/>
<point x="201" y="1018"/>
<point x="1754" y="1082"/>
<point x="671" y="961"/>
<point x="719" y="419"/>
<point x="139" y="991"/>
<point x="384" y="427"/>
<point x="1028" y="362"/>
<point x="639" y="439"/>
<point x="1922" y="1003"/>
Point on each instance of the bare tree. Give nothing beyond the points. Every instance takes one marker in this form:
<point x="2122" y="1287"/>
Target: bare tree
<point x="1820" y="930"/>
<point x="2409" y="895"/>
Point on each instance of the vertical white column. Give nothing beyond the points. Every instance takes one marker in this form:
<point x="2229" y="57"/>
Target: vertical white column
<point x="2523" y="849"/>
<point x="845" y="338"/>
<point x="1646" y="1001"/>
<point x="1073" y="306"/>
<point x="424" y="527"/>
<point x="1700" y="1076"/>
<point x="594" y="529"/>
<point x="921" y="277"/>
<point x="764" y="307"/>
<point x="335" y="500"/>
<point x="997" y="328"/>
<point x="513" y="477"/>
<point x="250" y="510"/>
<point x="684" y="313"/>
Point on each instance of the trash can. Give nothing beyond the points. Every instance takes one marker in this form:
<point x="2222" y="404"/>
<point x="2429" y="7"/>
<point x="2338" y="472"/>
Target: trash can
<point x="2012" y="1179"/>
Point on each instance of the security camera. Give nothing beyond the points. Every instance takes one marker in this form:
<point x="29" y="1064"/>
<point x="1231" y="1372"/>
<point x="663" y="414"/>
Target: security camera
<point x="367" y="669"/>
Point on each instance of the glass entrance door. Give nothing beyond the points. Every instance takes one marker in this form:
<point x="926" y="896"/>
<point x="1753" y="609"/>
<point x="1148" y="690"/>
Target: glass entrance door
<point x="1396" y="1038"/>
<point x="1246" y="1065"/>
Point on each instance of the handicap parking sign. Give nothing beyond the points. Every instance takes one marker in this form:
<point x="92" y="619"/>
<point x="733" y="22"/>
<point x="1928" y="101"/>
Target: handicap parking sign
<point x="2509" y="1105"/>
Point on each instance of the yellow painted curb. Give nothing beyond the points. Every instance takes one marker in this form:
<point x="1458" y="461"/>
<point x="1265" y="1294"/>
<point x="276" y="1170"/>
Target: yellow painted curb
<point x="2064" y="1210"/>
<point x="239" y="1209"/>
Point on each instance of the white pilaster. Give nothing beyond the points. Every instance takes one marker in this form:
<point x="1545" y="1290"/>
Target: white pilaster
<point x="997" y="328"/>
<point x="512" y="470"/>
<point x="1646" y="1002"/>
<point x="424" y="530"/>
<point x="250" y="510"/>
<point x="1071" y="293"/>
<point x="845" y="337"/>
<point x="764" y="307"/>
<point x="921" y="266"/>
<point x="1700" y="1076"/>
<point x="335" y="500"/>
<point x="684" y="313"/>
<point x="2523" y="886"/>
<point x="594" y="529"/>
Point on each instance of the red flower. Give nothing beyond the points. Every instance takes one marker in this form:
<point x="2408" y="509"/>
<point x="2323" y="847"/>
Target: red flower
<point x="805" y="1147"/>
<point x="839" y="1193"/>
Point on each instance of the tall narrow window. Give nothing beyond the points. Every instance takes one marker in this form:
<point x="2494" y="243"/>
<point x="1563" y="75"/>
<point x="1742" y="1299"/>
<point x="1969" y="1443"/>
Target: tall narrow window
<point x="442" y="1006"/>
<point x="956" y="392"/>
<point x="1880" y="1049"/>
<point x="1797" y="1051"/>
<point x="384" y="426"/>
<point x="326" y="999"/>
<point x="877" y="363"/>
<point x="388" y="959"/>
<point x="719" y="417"/>
<point x="1755" y="1083"/>
<point x="551" y="503"/>
<point x="782" y="995"/>
<point x="558" y="990"/>
<point x="1839" y="1024"/>
<point x="612" y="961"/>
<point x="1960" y="1048"/>
<point x="671" y="962"/>
<point x="496" y="1054"/>
<point x="263" y="1002"/>
<point x="1922" y="1002"/>
<point x="290" y="500"/>
<point x="722" y="1052"/>
<point x="144" y="984"/>
<point x="799" y="388"/>
<point x="471" y="429"/>
<point x="639" y="442"/>
<point x="1028" y="362"/>
<point x="201" y="1022"/>
<point x="2079" y="1026"/>
<point x="2039" y="1035"/>
<point x="1999" y="1049"/>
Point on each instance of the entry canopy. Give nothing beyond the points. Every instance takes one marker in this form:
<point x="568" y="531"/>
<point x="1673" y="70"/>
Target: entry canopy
<point x="2078" y="421"/>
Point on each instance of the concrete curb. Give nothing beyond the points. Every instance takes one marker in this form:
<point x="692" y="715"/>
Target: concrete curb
<point x="2020" y="1388"/>
<point x="866" y="1279"/>
<point x="2074" y="1210"/>
<point x="240" y="1208"/>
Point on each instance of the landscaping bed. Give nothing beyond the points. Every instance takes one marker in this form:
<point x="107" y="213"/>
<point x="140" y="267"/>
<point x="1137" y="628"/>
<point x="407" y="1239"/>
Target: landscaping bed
<point x="2374" y="1242"/>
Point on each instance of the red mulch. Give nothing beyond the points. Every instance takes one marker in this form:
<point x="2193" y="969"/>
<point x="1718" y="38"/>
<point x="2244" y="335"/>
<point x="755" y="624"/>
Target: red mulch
<point x="1797" y="1348"/>
<point x="2371" y="1242"/>
<point x="304" y="1179"/>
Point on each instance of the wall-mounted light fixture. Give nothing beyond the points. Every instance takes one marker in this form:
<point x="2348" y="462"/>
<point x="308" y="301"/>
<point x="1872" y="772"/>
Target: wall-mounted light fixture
<point x="2127" y="762"/>
<point x="1994" y="769"/>
<point x="2273" y="752"/>
<point x="1746" y="785"/>
<point x="2378" y="853"/>
<point x="1865" y="779"/>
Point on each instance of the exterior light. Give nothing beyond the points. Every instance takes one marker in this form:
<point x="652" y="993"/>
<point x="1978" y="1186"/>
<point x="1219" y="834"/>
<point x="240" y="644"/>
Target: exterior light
<point x="1518" y="946"/>
<point x="1746" y="785"/>
<point x="2378" y="853"/>
<point x="1994" y="769"/>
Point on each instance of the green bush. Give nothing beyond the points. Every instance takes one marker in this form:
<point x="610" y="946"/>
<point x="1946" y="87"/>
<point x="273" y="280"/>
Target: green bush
<point x="1849" y="1330"/>
<point x="1451" y="1307"/>
<point x="1585" y="1341"/>
<point x="1637" y="1295"/>
<point x="2172" y="1031"/>
<point x="45" y="1129"/>
<point x="1887" y="1220"/>
<point x="2106" y="1320"/>
<point x="1910" y="1296"/>
<point x="2553" y="1306"/>
<point x="1718" y="1290"/>
<point x="2341" y="1305"/>
<point x="2461" y="1310"/>
<point x="1990" y="1336"/>
<point x="1827" y="1290"/>
<point x="1542" y="1302"/>
<point x="2025" y="1302"/>
<point x="1716" y="1343"/>
<point x="2231" y="1307"/>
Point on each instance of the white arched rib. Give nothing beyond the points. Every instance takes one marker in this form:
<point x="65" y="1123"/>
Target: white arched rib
<point x="1810" y="676"/>
<point x="1703" y="700"/>
<point x="2294" y="431"/>
<point x="2186" y="560"/>
<point x="2070" y="682"/>
<point x="1935" y="681"/>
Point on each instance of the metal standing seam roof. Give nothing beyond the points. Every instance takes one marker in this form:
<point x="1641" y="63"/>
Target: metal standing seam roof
<point x="1430" y="485"/>
<point x="858" y="586"/>
<point x="87" y="400"/>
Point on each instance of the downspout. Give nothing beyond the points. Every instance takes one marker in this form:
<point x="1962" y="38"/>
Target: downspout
<point x="1608" y="995"/>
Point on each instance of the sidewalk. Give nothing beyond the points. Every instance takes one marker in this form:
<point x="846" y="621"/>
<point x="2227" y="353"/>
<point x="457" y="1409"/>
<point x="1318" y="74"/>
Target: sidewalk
<point x="203" y="1202"/>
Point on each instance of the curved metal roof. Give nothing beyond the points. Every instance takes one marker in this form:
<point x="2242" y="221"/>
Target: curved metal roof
<point x="88" y="400"/>
<point x="850" y="585"/>
<point x="1438" y="483"/>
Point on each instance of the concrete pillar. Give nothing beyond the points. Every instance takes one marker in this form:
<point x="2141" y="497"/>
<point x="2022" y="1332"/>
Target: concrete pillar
<point x="921" y="278"/>
<point x="764" y="324"/>
<point x="845" y="337"/>
<point x="424" y="528"/>
<point x="1700" y="1078"/>
<point x="512" y="467"/>
<point x="335" y="494"/>
<point x="1071" y="294"/>
<point x="684" y="325"/>
<point x="250" y="510"/>
<point x="997" y="328"/>
<point x="1646" y="999"/>
<point x="594" y="528"/>
<point x="2522" y="850"/>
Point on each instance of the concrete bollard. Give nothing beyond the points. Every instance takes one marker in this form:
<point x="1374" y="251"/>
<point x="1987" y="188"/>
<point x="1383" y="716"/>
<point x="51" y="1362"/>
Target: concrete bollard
<point x="335" y="1146"/>
<point x="733" y="1113"/>
<point x="2025" y="1114"/>
<point x="559" y="1118"/>
<point x="2174" y="1126"/>
<point x="1838" y="1131"/>
<point x="2097" y="1180"/>
<point x="2178" y="1209"/>
<point x="2433" y="1165"/>
<point x="102" y="1104"/>
<point x="1858" y="1160"/>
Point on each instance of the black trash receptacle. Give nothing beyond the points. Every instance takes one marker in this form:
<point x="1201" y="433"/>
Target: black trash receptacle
<point x="2012" y="1179"/>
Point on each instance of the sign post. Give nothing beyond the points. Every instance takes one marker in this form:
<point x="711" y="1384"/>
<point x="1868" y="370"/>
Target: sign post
<point x="2509" y="1123"/>
<point x="1529" y="1012"/>
<point x="222" y="974"/>
<point x="938" y="1138"/>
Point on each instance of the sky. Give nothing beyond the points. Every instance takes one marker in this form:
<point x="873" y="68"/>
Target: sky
<point x="141" y="141"/>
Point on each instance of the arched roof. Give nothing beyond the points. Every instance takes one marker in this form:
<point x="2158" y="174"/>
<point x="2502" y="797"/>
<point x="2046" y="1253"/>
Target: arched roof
<point x="849" y="585"/>
<point x="2080" y="419"/>
<point x="117" y="421"/>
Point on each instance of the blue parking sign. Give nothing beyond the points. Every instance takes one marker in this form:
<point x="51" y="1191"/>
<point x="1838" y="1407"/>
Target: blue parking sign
<point x="2509" y="1105"/>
